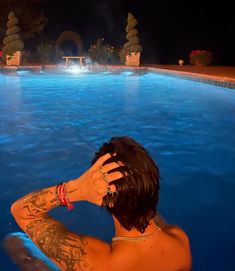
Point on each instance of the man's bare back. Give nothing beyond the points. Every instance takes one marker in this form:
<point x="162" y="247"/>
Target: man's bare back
<point x="169" y="243"/>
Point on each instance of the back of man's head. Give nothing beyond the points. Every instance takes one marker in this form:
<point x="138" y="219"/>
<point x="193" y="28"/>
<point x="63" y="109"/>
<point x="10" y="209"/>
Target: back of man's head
<point x="134" y="202"/>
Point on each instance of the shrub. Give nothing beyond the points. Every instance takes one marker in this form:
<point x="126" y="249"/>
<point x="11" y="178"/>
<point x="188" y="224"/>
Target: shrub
<point x="12" y="41"/>
<point x="30" y="57"/>
<point x="103" y="53"/>
<point x="46" y="52"/>
<point x="133" y="44"/>
<point x="202" y="57"/>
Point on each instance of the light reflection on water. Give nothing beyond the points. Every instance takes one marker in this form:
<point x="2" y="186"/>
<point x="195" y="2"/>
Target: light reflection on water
<point x="51" y="125"/>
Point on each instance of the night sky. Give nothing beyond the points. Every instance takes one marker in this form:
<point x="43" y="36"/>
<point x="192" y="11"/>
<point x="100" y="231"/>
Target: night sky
<point x="168" y="30"/>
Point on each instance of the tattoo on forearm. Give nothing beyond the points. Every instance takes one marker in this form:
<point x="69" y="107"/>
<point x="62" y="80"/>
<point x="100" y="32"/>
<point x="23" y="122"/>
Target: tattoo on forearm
<point x="52" y="237"/>
<point x="59" y="244"/>
<point x="38" y="203"/>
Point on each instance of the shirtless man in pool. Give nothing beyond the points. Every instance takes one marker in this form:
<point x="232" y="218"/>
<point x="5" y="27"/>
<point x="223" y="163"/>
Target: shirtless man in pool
<point x="124" y="179"/>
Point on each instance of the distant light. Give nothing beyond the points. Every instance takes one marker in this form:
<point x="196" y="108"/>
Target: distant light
<point x="181" y="62"/>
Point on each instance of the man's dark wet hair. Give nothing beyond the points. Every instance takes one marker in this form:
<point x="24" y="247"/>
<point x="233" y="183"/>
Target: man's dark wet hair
<point x="134" y="202"/>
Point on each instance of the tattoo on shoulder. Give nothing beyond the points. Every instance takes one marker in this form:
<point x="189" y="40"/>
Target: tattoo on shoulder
<point x="64" y="247"/>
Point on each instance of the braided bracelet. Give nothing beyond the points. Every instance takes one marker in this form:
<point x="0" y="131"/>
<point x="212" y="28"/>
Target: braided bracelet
<point x="62" y="196"/>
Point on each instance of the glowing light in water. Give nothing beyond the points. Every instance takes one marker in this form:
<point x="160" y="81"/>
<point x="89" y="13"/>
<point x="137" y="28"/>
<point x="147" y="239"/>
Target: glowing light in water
<point x="23" y="72"/>
<point x="127" y="73"/>
<point x="76" y="69"/>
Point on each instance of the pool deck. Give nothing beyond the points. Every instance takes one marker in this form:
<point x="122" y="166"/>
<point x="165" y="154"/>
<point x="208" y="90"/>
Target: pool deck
<point x="218" y="75"/>
<point x="223" y="76"/>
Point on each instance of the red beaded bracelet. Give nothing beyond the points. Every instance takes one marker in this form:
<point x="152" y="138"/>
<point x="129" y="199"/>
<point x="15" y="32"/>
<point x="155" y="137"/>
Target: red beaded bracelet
<point x="62" y="196"/>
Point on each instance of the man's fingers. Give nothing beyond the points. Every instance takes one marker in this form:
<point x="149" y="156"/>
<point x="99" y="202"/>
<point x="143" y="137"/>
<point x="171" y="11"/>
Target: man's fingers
<point x="114" y="176"/>
<point x="108" y="178"/>
<point x="106" y="168"/>
<point x="101" y="160"/>
<point x="113" y="188"/>
<point x="103" y="190"/>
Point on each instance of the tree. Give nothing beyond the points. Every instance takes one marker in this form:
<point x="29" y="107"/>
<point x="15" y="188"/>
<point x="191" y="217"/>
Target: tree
<point x="12" y="42"/>
<point x="29" y="12"/>
<point x="133" y="44"/>
<point x="103" y="53"/>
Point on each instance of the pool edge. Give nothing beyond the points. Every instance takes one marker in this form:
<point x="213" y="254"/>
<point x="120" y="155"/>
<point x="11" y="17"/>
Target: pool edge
<point x="221" y="81"/>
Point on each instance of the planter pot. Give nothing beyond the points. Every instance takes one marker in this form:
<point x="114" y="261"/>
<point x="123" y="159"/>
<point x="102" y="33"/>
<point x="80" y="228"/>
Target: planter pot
<point x="14" y="60"/>
<point x="133" y="59"/>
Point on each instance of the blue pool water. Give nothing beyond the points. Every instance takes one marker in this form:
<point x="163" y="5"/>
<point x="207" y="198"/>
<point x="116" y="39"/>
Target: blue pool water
<point x="51" y="125"/>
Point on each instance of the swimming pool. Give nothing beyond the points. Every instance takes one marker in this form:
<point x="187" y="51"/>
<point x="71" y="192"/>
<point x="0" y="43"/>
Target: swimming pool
<point x="52" y="123"/>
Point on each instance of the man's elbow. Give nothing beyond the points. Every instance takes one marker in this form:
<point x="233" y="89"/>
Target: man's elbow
<point x="15" y="211"/>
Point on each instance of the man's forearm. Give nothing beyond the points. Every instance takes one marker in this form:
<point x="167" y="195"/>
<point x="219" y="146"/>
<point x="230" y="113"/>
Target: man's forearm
<point x="65" y="248"/>
<point x="36" y="204"/>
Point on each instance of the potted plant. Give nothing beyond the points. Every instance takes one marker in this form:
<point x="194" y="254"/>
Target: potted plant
<point x="130" y="54"/>
<point x="200" y="57"/>
<point x="13" y="45"/>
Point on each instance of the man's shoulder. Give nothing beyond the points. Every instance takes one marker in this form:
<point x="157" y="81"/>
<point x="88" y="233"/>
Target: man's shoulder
<point x="176" y="233"/>
<point x="180" y="245"/>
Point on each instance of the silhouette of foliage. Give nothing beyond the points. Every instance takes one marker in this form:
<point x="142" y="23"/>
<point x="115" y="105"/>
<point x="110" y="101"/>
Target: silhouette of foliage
<point x="133" y="43"/>
<point x="29" y="12"/>
<point x="12" y="42"/>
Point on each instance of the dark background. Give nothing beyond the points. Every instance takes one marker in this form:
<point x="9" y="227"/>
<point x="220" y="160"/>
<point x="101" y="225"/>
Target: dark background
<point x="168" y="30"/>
